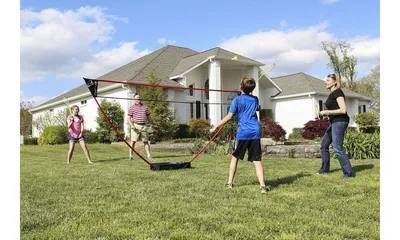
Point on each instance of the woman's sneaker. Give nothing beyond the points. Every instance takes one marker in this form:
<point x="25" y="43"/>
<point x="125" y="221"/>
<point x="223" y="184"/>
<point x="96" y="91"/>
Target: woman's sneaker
<point x="228" y="186"/>
<point x="130" y="158"/>
<point x="265" y="189"/>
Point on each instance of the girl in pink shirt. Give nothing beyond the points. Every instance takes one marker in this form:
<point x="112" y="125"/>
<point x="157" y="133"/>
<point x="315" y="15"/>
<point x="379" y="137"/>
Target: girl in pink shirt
<point x="75" y="129"/>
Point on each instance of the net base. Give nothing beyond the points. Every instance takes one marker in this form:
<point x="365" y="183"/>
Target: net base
<point x="161" y="166"/>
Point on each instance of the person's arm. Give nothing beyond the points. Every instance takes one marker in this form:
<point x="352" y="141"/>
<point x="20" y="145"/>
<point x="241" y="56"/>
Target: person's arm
<point x="342" y="108"/>
<point x="226" y="119"/>
<point x="82" y="128"/>
<point x="149" y="120"/>
<point x="130" y="121"/>
<point x="70" y="120"/>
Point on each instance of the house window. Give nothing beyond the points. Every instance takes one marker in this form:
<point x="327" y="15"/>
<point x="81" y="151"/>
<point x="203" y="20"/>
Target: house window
<point x="320" y="105"/>
<point x="206" y="110"/>
<point x="362" y="108"/>
<point x="83" y="102"/>
<point x="207" y="93"/>
<point x="191" y="93"/>
<point x="191" y="110"/>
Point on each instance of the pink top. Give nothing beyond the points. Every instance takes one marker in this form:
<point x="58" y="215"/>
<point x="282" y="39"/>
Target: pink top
<point x="76" y="127"/>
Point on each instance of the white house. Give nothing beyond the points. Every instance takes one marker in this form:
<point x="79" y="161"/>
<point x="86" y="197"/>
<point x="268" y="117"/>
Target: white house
<point x="292" y="98"/>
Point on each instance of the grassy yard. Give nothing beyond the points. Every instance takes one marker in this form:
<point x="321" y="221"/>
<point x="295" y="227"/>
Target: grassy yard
<point x="114" y="198"/>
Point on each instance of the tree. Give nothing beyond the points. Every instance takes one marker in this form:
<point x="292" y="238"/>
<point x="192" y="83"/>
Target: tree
<point x="25" y="118"/>
<point x="50" y="118"/>
<point x="164" y="120"/>
<point x="115" y="113"/>
<point x="344" y="65"/>
<point x="369" y="85"/>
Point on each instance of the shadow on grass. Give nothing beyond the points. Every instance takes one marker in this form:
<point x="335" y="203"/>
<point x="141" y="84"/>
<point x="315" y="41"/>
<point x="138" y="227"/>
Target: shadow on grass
<point x="356" y="168"/>
<point x="286" y="180"/>
<point x="111" y="159"/>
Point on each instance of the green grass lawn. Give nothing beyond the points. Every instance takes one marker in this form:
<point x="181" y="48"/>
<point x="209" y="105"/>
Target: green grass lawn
<point x="114" y="198"/>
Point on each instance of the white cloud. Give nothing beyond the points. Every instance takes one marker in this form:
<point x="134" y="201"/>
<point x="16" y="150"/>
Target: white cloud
<point x="299" y="50"/>
<point x="106" y="61"/>
<point x="35" y="101"/>
<point x="164" y="40"/>
<point x="328" y="1"/>
<point x="59" y="43"/>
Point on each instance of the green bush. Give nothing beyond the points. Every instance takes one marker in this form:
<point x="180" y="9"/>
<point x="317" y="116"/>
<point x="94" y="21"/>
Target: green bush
<point x="266" y="113"/>
<point x="55" y="135"/>
<point x="183" y="131"/>
<point x="227" y="134"/>
<point x="103" y="136"/>
<point x="359" y="145"/>
<point x="296" y="134"/>
<point x="198" y="127"/>
<point x="90" y="137"/>
<point x="351" y="129"/>
<point x="31" y="141"/>
<point x="368" y="122"/>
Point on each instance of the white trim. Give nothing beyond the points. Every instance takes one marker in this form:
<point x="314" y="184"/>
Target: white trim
<point x="295" y="95"/>
<point x="276" y="86"/>
<point x="190" y="69"/>
<point x="75" y="97"/>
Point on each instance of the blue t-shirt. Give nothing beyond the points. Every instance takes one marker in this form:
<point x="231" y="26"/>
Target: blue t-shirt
<point x="245" y="106"/>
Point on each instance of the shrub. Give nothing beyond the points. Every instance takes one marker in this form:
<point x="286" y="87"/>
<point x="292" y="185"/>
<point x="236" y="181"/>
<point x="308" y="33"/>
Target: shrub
<point x="31" y="141"/>
<point x="90" y="137"/>
<point x="183" y="131"/>
<point x="198" y="127"/>
<point x="351" y="129"/>
<point x="40" y="140"/>
<point x="266" y="113"/>
<point x="103" y="136"/>
<point x="296" y="133"/>
<point x="315" y="128"/>
<point x="368" y="122"/>
<point x="55" y="135"/>
<point x="360" y="145"/>
<point x="227" y="134"/>
<point x="270" y="128"/>
<point x="366" y="119"/>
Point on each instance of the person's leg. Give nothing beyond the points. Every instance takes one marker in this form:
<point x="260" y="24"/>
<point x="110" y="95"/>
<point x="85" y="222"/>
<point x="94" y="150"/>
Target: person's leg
<point x="259" y="172"/>
<point x="325" y="155"/>
<point x="145" y="139"/>
<point x="85" y="150"/>
<point x="338" y="130"/>
<point x="134" y="138"/>
<point x="70" y="151"/>
<point x="232" y="169"/>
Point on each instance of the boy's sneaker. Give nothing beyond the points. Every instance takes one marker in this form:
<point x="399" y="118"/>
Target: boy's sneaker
<point x="265" y="189"/>
<point x="150" y="157"/>
<point x="130" y="158"/>
<point x="228" y="186"/>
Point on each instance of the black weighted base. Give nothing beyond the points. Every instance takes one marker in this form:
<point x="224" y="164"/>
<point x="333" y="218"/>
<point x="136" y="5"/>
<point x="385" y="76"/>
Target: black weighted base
<point x="169" y="166"/>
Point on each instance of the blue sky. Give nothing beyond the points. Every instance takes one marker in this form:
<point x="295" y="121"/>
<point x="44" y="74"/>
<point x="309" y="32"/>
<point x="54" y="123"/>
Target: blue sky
<point x="62" y="41"/>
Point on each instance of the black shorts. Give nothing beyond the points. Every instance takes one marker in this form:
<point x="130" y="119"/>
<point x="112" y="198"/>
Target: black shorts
<point x="253" y="147"/>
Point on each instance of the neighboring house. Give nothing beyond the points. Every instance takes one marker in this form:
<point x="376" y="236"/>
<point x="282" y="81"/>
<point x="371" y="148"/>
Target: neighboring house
<point x="302" y="94"/>
<point x="292" y="98"/>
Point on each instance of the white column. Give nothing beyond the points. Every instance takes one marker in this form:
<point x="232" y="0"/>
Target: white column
<point x="214" y="75"/>
<point x="253" y="72"/>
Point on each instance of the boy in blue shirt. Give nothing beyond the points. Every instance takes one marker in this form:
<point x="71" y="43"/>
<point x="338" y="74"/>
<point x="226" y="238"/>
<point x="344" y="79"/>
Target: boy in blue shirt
<point x="248" y="134"/>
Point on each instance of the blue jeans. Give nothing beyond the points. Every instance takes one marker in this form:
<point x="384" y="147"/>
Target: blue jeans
<point x="335" y="135"/>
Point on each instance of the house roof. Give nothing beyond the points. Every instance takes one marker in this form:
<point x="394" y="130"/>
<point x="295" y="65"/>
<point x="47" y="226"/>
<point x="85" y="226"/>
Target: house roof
<point x="301" y="83"/>
<point x="162" y="62"/>
<point x="218" y="53"/>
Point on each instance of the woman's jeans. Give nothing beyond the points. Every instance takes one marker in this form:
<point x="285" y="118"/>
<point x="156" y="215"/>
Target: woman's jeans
<point x="335" y="135"/>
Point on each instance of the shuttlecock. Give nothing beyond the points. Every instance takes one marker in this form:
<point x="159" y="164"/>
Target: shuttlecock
<point x="235" y="58"/>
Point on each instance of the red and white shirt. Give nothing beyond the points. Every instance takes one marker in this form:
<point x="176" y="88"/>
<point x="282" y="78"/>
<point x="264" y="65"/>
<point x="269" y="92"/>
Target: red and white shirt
<point x="138" y="113"/>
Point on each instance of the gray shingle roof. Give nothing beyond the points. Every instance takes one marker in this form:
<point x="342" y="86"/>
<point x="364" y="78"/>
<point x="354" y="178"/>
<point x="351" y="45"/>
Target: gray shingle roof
<point x="219" y="53"/>
<point x="162" y="62"/>
<point x="299" y="83"/>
